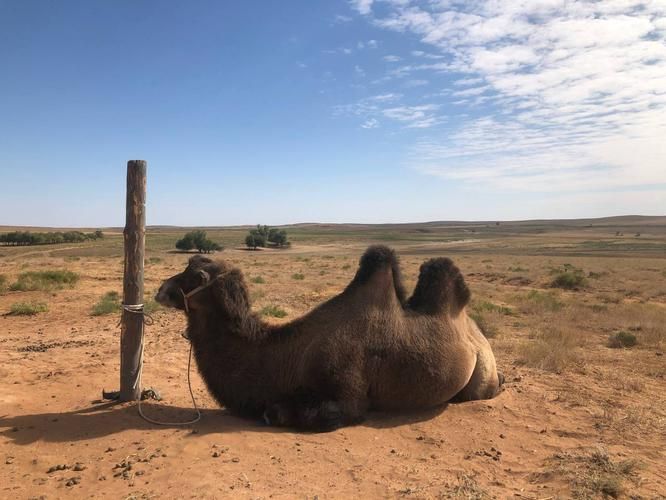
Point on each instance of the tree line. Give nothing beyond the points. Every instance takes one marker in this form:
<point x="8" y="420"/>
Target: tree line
<point x="24" y="238"/>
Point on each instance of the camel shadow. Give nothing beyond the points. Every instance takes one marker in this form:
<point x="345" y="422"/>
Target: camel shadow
<point x="107" y="419"/>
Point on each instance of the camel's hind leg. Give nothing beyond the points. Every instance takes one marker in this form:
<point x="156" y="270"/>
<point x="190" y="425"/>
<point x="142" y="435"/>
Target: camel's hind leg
<point x="441" y="288"/>
<point x="486" y="382"/>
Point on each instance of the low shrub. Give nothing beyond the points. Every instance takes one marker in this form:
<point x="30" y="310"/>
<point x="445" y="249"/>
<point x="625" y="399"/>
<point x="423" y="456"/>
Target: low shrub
<point x="274" y="311"/>
<point x="108" y="304"/>
<point x="622" y="339"/>
<point x="298" y="276"/>
<point x="45" y="280"/>
<point x="28" y="308"/>
<point x="258" y="280"/>
<point x="568" y="278"/>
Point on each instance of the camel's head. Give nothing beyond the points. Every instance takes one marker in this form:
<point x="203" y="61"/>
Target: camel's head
<point x="204" y="284"/>
<point x="200" y="271"/>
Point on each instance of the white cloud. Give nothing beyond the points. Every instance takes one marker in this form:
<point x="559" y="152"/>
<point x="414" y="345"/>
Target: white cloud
<point x="421" y="116"/>
<point x="370" y="123"/>
<point x="340" y="19"/>
<point x="391" y="58"/>
<point x="415" y="82"/>
<point x="362" y="6"/>
<point x="572" y="93"/>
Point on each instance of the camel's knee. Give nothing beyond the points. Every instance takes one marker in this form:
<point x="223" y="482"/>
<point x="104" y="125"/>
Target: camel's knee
<point x="440" y="288"/>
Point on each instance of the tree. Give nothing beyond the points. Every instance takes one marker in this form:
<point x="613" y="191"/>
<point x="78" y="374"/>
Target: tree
<point x="278" y="237"/>
<point x="254" y="240"/>
<point x="197" y="239"/>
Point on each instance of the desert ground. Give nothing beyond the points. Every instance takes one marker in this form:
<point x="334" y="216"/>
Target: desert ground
<point x="583" y="413"/>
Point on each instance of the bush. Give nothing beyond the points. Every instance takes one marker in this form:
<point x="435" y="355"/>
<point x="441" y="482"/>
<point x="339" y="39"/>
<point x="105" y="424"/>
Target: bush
<point x="622" y="339"/>
<point x="298" y="276"/>
<point x="258" y="280"/>
<point x="45" y="280"/>
<point x="568" y="278"/>
<point x="108" y="304"/>
<point x="28" y="308"/>
<point x="274" y="311"/>
<point x="3" y="283"/>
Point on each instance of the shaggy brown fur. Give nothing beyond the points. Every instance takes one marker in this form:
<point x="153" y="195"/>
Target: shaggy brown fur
<point x="367" y="348"/>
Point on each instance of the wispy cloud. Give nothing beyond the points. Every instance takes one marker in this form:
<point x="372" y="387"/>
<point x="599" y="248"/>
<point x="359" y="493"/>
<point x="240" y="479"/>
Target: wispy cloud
<point x="572" y="94"/>
<point x="362" y="6"/>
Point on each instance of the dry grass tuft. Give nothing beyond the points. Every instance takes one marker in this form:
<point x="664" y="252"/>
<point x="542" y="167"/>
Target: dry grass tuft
<point x="467" y="488"/>
<point x="594" y="473"/>
<point x="552" y="349"/>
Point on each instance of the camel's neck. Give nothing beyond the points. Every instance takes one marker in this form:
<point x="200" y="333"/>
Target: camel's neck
<point x="225" y="350"/>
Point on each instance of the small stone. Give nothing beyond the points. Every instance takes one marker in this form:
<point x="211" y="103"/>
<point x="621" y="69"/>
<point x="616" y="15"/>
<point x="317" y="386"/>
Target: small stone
<point x="78" y="467"/>
<point x="235" y="460"/>
<point x="216" y="454"/>
<point x="73" y="481"/>
<point x="109" y="450"/>
<point x="140" y="473"/>
<point x="502" y="436"/>
<point x="10" y="460"/>
<point x="420" y="438"/>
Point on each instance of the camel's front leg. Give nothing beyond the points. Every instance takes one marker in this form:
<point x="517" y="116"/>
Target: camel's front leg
<point x="315" y="416"/>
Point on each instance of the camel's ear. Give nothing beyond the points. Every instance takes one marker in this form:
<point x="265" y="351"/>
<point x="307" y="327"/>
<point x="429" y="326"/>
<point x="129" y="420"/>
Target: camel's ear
<point x="204" y="277"/>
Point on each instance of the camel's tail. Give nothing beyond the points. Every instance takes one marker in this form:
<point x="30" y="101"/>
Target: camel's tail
<point x="441" y="288"/>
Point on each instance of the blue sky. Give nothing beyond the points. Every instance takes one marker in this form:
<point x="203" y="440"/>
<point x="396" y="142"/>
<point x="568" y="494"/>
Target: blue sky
<point x="361" y="111"/>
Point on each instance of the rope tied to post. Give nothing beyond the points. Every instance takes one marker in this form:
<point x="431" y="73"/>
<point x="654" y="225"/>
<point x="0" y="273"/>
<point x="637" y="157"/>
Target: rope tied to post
<point x="147" y="321"/>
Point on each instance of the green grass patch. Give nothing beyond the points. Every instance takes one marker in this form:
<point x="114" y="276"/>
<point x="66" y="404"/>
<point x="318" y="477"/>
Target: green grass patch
<point x="3" y="283"/>
<point x="540" y="301"/>
<point x="258" y="280"/>
<point x="298" y="276"/>
<point x="274" y="311"/>
<point x="154" y="260"/>
<point x="28" y="308"/>
<point x="108" y="304"/>
<point x="622" y="339"/>
<point x="45" y="280"/>
<point x="485" y="306"/>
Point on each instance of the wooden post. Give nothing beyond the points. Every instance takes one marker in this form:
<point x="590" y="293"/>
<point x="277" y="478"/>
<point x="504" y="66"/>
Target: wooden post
<point x="131" y="337"/>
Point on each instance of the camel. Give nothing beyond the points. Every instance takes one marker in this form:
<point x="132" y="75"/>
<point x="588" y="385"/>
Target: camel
<point x="368" y="348"/>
